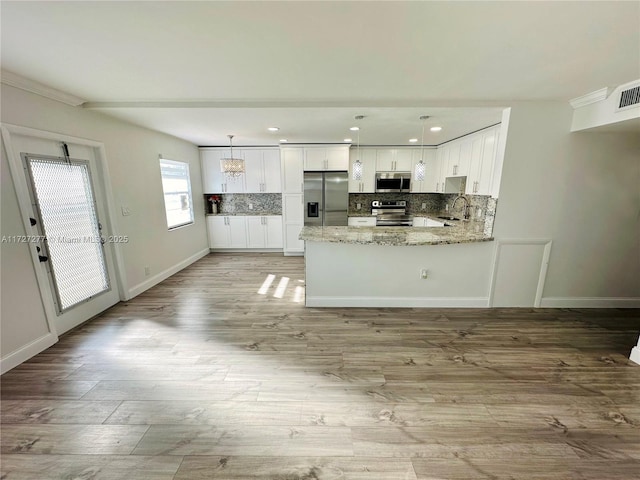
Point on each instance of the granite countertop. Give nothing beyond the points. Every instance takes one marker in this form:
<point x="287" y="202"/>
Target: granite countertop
<point x="462" y="232"/>
<point x="252" y="213"/>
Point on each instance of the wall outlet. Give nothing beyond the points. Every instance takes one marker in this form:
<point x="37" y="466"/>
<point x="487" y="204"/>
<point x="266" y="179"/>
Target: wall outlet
<point x="424" y="274"/>
<point x="358" y="206"/>
<point x="251" y="206"/>
<point x="424" y="206"/>
<point x="147" y="271"/>
<point x="446" y="207"/>
<point x="478" y="212"/>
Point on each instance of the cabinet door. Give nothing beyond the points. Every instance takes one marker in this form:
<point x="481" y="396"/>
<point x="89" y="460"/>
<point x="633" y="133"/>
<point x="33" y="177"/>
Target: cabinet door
<point x="489" y="149"/>
<point x="213" y="180"/>
<point x="436" y="183"/>
<point x="403" y="159"/>
<point x="255" y="232"/>
<point x="315" y="159"/>
<point x="475" y="166"/>
<point x="384" y="159"/>
<point x="454" y="160"/>
<point x="253" y="171"/>
<point x="292" y="171"/>
<point x="218" y="232"/>
<point x="293" y="220"/>
<point x="237" y="232"/>
<point x="464" y="160"/>
<point x="337" y="158"/>
<point x="366" y="184"/>
<point x="273" y="230"/>
<point x="271" y="166"/>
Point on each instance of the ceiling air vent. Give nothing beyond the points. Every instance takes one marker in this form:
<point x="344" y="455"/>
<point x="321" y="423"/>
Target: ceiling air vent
<point x="629" y="97"/>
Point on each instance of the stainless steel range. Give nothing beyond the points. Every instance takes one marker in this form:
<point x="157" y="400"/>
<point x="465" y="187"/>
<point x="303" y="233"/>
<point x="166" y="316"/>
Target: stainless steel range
<point x="391" y="213"/>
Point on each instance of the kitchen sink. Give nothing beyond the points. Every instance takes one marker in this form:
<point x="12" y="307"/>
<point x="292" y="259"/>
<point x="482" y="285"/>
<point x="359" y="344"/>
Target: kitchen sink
<point x="449" y="218"/>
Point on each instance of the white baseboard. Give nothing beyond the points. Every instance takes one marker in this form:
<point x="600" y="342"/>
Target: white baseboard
<point x="635" y="355"/>
<point x="293" y="254"/>
<point x="147" y="284"/>
<point x="397" y="302"/>
<point x="590" y="302"/>
<point x="25" y="353"/>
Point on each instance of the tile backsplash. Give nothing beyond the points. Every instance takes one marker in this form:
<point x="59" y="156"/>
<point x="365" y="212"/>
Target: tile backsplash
<point x="238" y="204"/>
<point x="433" y="202"/>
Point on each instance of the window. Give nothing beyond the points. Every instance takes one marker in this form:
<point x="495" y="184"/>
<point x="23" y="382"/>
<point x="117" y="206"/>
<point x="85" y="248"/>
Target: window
<point x="177" y="193"/>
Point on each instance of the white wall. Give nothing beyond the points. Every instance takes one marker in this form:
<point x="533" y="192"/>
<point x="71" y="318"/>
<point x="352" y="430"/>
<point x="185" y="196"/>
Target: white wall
<point x="132" y="157"/>
<point x="581" y="190"/>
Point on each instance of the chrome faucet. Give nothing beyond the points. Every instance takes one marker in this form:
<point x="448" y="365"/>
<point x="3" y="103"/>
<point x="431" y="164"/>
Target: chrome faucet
<point x="466" y="214"/>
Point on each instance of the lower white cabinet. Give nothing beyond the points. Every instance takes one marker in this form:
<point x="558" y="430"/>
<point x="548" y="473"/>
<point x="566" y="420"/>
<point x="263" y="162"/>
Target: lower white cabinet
<point x="236" y="231"/>
<point x="264" y="232"/>
<point x="369" y="221"/>
<point x="227" y="231"/>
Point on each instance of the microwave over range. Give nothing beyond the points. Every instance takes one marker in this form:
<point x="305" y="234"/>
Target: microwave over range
<point x="387" y="182"/>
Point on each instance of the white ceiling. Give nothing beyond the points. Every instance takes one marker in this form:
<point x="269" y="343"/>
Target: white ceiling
<point x="202" y="70"/>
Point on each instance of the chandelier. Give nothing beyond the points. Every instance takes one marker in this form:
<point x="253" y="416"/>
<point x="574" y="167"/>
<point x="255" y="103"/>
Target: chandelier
<point x="232" y="167"/>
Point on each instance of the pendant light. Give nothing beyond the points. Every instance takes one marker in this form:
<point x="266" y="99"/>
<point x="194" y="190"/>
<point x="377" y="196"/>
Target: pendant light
<point x="356" y="169"/>
<point x="232" y="167"/>
<point x="421" y="167"/>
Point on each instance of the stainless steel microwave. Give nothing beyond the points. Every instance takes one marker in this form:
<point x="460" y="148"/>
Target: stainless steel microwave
<point x="387" y="182"/>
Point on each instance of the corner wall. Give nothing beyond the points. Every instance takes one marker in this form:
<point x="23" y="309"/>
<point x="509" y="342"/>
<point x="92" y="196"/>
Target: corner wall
<point x="582" y="191"/>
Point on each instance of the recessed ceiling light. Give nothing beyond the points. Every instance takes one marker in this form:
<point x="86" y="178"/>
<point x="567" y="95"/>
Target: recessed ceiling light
<point x="413" y="140"/>
<point x="435" y="129"/>
<point x="348" y="140"/>
<point x="354" y="129"/>
<point x="273" y="129"/>
<point x="283" y="140"/>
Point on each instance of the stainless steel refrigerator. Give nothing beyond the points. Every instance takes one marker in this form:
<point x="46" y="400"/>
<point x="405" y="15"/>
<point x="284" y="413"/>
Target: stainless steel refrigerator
<point x="326" y="198"/>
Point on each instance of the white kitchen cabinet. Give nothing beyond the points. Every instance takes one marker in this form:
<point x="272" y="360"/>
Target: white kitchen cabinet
<point x="292" y="162"/>
<point x="431" y="171"/>
<point x="213" y="179"/>
<point x="262" y="170"/>
<point x="394" y="159"/>
<point x="457" y="165"/>
<point x="479" y="181"/>
<point x="326" y="158"/>
<point x="292" y="170"/>
<point x="369" y="221"/>
<point x="227" y="231"/>
<point x="435" y="183"/>
<point x="367" y="182"/>
<point x="293" y="221"/>
<point x="264" y="231"/>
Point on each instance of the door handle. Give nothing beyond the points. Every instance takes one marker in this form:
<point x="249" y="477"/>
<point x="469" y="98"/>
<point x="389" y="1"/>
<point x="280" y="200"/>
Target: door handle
<point x="42" y="258"/>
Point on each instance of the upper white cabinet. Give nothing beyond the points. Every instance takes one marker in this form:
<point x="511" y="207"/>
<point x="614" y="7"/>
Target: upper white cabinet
<point x="262" y="170"/>
<point x="326" y="158"/>
<point x="292" y="170"/>
<point x="367" y="181"/>
<point x="479" y="181"/>
<point x="394" y="159"/>
<point x="213" y="179"/>
<point x="431" y="169"/>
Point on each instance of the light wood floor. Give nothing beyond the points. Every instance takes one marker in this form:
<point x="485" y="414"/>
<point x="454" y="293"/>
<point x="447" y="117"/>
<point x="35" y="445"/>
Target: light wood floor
<point x="203" y="377"/>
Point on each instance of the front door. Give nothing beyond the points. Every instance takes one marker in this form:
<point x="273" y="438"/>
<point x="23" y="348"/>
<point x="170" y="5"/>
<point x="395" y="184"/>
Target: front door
<point x="73" y="244"/>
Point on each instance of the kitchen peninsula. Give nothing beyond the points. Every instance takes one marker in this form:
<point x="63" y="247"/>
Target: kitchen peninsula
<point x="444" y="266"/>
